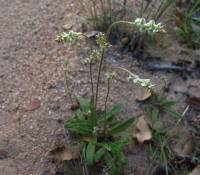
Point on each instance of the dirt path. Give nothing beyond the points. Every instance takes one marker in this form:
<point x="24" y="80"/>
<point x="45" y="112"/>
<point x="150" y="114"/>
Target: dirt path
<point x="31" y="84"/>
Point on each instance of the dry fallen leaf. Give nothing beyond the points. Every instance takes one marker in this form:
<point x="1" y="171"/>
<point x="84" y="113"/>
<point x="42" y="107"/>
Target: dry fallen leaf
<point x="87" y="139"/>
<point x="63" y="153"/>
<point x="33" y="105"/>
<point x="194" y="102"/>
<point x="143" y="132"/>
<point x="188" y="148"/>
<point x="145" y="96"/>
<point x="92" y="34"/>
<point x="196" y="171"/>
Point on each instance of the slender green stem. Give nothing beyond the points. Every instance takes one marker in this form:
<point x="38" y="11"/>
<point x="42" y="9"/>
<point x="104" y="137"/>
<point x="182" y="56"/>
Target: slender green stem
<point x="99" y="75"/>
<point x="110" y="10"/>
<point x="115" y="24"/>
<point x="124" y="8"/>
<point x="147" y="5"/>
<point x="152" y="7"/>
<point x="95" y="12"/>
<point x="141" y="9"/>
<point x="107" y="95"/>
<point x="91" y="80"/>
<point x="163" y="9"/>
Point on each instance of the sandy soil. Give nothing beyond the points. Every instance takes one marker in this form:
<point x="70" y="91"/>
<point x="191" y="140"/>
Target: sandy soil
<point x="32" y="96"/>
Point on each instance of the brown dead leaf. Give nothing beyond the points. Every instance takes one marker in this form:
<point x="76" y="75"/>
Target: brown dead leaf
<point x="143" y="132"/>
<point x="145" y="96"/>
<point x="188" y="148"/>
<point x="63" y="153"/>
<point x="33" y="105"/>
<point x="194" y="102"/>
<point x="87" y="139"/>
<point x="196" y="171"/>
<point x="92" y="34"/>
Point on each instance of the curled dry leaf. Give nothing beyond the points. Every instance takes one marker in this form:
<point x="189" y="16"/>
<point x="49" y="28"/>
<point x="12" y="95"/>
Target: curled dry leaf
<point x="188" y="148"/>
<point x="63" y="153"/>
<point x="196" y="171"/>
<point x="145" y="96"/>
<point x="143" y="132"/>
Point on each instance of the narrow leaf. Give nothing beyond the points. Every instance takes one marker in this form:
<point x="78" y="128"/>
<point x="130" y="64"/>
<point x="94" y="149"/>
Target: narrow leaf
<point x="121" y="126"/>
<point x="90" y="152"/>
<point x="169" y="103"/>
<point x="99" y="154"/>
<point x="114" y="111"/>
<point x="84" y="104"/>
<point x="155" y="114"/>
<point x="174" y="114"/>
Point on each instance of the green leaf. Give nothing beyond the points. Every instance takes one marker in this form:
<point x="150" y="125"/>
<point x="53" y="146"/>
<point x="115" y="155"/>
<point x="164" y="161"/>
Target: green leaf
<point x="174" y="114"/>
<point x="79" y="127"/>
<point x="169" y="103"/>
<point x="93" y="116"/>
<point x="90" y="152"/>
<point x="114" y="111"/>
<point x="84" y="104"/>
<point x="155" y="114"/>
<point x="79" y="114"/>
<point x="99" y="154"/>
<point x="109" y="160"/>
<point x="122" y="158"/>
<point x="121" y="126"/>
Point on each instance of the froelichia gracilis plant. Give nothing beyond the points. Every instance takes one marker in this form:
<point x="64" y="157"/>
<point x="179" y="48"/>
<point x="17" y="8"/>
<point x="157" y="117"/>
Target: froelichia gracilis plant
<point x="100" y="127"/>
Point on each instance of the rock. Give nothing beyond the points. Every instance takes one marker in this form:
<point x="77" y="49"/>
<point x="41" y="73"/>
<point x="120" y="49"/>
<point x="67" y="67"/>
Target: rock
<point x="125" y="41"/>
<point x="3" y="154"/>
<point x="67" y="26"/>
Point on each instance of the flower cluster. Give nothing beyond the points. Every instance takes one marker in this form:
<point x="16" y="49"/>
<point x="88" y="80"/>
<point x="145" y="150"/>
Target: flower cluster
<point x="102" y="41"/>
<point x="151" y="27"/>
<point x="94" y="55"/>
<point x="69" y="37"/>
<point x="110" y="75"/>
<point x="146" y="83"/>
